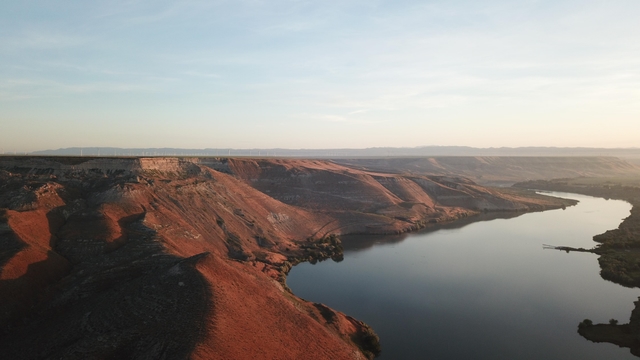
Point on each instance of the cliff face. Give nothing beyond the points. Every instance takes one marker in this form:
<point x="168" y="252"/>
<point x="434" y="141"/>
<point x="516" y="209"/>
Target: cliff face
<point x="177" y="258"/>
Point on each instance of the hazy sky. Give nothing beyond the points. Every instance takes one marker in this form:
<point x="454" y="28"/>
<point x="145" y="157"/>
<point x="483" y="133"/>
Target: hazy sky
<point x="319" y="74"/>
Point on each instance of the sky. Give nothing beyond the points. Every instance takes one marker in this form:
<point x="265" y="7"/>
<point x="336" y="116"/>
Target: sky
<point x="319" y="74"/>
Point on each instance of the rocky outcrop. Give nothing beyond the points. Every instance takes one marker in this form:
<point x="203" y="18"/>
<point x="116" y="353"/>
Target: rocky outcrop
<point x="61" y="166"/>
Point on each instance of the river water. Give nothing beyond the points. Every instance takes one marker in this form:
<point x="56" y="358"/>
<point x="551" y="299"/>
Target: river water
<point x="481" y="290"/>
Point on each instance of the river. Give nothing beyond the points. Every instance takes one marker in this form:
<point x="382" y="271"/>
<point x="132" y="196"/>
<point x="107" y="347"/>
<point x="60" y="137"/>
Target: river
<point x="480" y="290"/>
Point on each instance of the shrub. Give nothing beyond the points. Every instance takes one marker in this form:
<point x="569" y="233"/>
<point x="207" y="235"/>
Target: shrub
<point x="585" y="323"/>
<point x="367" y="340"/>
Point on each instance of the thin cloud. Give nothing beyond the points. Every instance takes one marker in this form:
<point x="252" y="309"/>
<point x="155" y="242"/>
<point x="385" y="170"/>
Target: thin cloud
<point x="332" y="118"/>
<point x="15" y="97"/>
<point x="24" y="88"/>
<point x="43" y="40"/>
<point x="343" y="63"/>
<point x="158" y="16"/>
<point x="289" y="27"/>
<point x="202" y="75"/>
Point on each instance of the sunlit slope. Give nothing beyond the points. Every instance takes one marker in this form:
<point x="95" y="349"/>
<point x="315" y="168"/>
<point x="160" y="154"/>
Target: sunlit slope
<point x="363" y="201"/>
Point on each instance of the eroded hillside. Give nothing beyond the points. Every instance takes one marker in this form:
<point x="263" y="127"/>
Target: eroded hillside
<point x="360" y="201"/>
<point x="186" y="258"/>
<point x="502" y="170"/>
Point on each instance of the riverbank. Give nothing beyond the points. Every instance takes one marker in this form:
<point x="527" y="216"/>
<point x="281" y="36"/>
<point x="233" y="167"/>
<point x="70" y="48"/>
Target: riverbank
<point x="489" y="282"/>
<point x="618" y="250"/>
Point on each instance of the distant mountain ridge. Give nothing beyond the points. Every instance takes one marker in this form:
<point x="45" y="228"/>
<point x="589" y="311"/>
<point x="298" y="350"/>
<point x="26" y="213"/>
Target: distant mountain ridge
<point x="345" y="153"/>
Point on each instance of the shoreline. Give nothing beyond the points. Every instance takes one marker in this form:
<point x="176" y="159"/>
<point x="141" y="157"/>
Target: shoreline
<point x="619" y="257"/>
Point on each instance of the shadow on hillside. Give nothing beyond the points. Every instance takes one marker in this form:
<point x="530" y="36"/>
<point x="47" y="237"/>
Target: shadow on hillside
<point x="132" y="301"/>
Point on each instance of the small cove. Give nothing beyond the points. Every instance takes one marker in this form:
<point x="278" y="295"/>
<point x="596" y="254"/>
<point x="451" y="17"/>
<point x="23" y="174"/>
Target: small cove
<point x="480" y="290"/>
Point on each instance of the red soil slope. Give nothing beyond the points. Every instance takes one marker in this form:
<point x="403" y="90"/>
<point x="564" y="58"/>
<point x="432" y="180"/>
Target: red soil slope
<point x="185" y="258"/>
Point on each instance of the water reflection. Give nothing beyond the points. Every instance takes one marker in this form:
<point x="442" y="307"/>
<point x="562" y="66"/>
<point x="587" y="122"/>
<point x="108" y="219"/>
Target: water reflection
<point x="623" y="335"/>
<point x="362" y="242"/>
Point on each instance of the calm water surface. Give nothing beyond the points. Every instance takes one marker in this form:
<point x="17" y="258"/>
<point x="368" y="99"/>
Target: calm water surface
<point x="486" y="290"/>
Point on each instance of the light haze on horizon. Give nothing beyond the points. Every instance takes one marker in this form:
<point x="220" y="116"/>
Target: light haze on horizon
<point x="319" y="74"/>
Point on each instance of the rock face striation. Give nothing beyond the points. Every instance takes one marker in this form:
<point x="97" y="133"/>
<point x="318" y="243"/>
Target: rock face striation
<point x="172" y="258"/>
